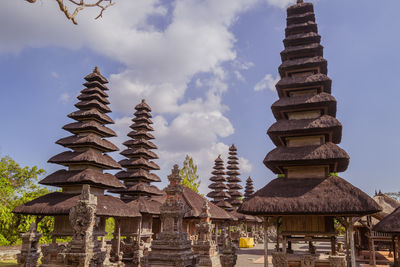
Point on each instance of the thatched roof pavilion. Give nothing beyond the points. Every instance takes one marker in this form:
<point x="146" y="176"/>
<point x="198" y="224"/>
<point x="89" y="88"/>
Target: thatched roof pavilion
<point x="249" y="189"/>
<point x="308" y="194"/>
<point x="233" y="179"/>
<point x="85" y="161"/>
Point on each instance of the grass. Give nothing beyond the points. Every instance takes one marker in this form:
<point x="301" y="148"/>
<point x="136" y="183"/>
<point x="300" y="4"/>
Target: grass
<point x="10" y="263"/>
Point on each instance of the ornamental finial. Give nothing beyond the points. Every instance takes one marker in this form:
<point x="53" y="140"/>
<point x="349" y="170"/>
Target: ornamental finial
<point x="96" y="70"/>
<point x="299" y="1"/>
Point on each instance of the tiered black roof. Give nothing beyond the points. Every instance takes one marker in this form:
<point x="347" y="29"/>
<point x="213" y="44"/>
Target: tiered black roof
<point x="306" y="133"/>
<point x="233" y="179"/>
<point x="86" y="158"/>
<point x="137" y="176"/>
<point x="249" y="191"/>
<point x="218" y="187"/>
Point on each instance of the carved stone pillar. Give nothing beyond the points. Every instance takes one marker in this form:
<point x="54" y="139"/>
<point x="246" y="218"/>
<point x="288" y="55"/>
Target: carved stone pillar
<point x="308" y="261"/>
<point x="30" y="248"/>
<point x="337" y="261"/>
<point x="228" y="257"/>
<point x="279" y="259"/>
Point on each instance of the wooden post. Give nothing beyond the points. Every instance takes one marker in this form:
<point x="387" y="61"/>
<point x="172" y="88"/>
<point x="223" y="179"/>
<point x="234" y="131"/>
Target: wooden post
<point x="333" y="245"/>
<point x="118" y="225"/>
<point x="284" y="244"/>
<point x="277" y="234"/>
<point x="394" y="251"/>
<point x="139" y="231"/>
<point x="216" y="233"/>
<point x="373" y="252"/>
<point x="266" y="225"/>
<point x="351" y="240"/>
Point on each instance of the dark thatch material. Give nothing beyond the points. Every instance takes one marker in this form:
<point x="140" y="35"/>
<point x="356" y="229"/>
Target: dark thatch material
<point x="89" y="140"/>
<point x="309" y="26"/>
<point x="59" y="203"/>
<point x="96" y="76"/>
<point x="142" y="113"/>
<point x="139" y="143"/>
<point x="387" y="204"/>
<point x="87" y="176"/>
<point x="91" y="114"/>
<point x="323" y="101"/>
<point x="306" y="62"/>
<point x="94" y="90"/>
<point x="249" y="188"/>
<point x="94" y="103"/>
<point x="300" y="18"/>
<point x="88" y="157"/>
<point x="139" y="188"/>
<point x="226" y="206"/>
<point x="94" y="95"/>
<point x="141" y="126"/>
<point x="138" y="174"/>
<point x="300" y="8"/>
<point x="306" y="196"/>
<point x="148" y="205"/>
<point x="326" y="125"/>
<point x="139" y="153"/>
<point x="94" y="84"/>
<point x="389" y="224"/>
<point x="89" y="126"/>
<point x="327" y="153"/>
<point x="300" y="51"/>
<point x="139" y="163"/>
<point x="141" y="134"/>
<point x="302" y="39"/>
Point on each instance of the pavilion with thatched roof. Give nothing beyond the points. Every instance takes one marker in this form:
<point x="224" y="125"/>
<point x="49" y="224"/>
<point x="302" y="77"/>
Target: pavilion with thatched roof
<point x="307" y="196"/>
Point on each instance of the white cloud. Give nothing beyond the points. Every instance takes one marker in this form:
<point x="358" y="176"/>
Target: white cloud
<point x="65" y="97"/>
<point x="268" y="82"/>
<point x="55" y="74"/>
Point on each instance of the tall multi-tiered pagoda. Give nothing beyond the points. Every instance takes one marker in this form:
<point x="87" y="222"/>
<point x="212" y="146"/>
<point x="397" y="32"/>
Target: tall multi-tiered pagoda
<point x="249" y="189"/>
<point x="308" y="194"/>
<point x="218" y="187"/>
<point x="233" y="179"/>
<point x="85" y="160"/>
<point x="137" y="176"/>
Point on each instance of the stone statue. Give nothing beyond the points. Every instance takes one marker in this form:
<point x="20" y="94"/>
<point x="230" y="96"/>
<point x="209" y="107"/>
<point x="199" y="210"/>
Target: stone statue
<point x="30" y="248"/>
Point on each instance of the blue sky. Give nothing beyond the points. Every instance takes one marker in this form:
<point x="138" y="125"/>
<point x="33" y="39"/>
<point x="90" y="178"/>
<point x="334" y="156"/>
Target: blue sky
<point x="197" y="62"/>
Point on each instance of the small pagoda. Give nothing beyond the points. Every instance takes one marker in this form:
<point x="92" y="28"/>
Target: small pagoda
<point x="249" y="189"/>
<point x="233" y="179"/>
<point x="218" y="187"/>
<point x="85" y="160"/>
<point x="308" y="195"/>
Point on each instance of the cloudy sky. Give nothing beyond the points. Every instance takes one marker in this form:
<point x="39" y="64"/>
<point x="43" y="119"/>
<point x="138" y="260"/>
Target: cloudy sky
<point x="208" y="69"/>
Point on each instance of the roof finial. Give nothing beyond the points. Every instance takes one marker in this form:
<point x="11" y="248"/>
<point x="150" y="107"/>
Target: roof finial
<point x="143" y="100"/>
<point x="96" y="70"/>
<point x="300" y="1"/>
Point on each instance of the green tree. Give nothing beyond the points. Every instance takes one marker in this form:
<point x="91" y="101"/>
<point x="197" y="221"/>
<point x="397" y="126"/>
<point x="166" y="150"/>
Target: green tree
<point x="189" y="174"/>
<point x="17" y="186"/>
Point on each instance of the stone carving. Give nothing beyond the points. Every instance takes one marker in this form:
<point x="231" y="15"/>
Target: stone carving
<point x="30" y="248"/>
<point x="228" y="257"/>
<point x="84" y="250"/>
<point x="172" y="246"/>
<point x="308" y="261"/>
<point x="337" y="261"/>
<point x="279" y="259"/>
<point x="52" y="254"/>
<point x="204" y="247"/>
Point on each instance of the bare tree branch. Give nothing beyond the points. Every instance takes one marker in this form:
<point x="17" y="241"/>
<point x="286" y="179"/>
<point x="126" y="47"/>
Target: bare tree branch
<point x="80" y="5"/>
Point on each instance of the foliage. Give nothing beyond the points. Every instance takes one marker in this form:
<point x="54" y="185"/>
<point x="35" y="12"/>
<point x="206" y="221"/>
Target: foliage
<point x="189" y="174"/>
<point x="17" y="186"/>
<point x="110" y="226"/>
<point x="394" y="195"/>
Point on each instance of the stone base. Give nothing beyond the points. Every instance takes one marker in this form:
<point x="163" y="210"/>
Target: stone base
<point x="28" y="260"/>
<point x="209" y="261"/>
<point x="337" y="261"/>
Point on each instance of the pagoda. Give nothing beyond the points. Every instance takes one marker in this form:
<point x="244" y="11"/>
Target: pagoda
<point x="233" y="179"/>
<point x="85" y="160"/>
<point x="138" y="177"/>
<point x="218" y="187"/>
<point x="249" y="189"/>
<point x="307" y="195"/>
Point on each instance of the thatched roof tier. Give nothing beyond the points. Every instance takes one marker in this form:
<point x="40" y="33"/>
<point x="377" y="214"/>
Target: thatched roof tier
<point x="142" y="120"/>
<point x="143" y="113"/>
<point x="301" y="38"/>
<point x="139" y="188"/>
<point x="96" y="76"/>
<point x="235" y="187"/>
<point x="233" y="178"/>
<point x="95" y="84"/>
<point x="139" y="153"/>
<point x="89" y="140"/>
<point x="94" y="103"/>
<point x="139" y="164"/>
<point x="320" y="82"/>
<point x="148" y="205"/>
<point x="300" y="18"/>
<point x="323" y="101"/>
<point x="293" y="29"/>
<point x="300" y="8"/>
<point x="89" y="157"/>
<point x="389" y="224"/>
<point x="141" y="135"/>
<point x="87" y="176"/>
<point x="139" y="144"/>
<point x="91" y="114"/>
<point x="235" y="195"/>
<point x="306" y="196"/>
<point x="93" y="95"/>
<point x="94" y="90"/>
<point x="59" y="203"/>
<point x="141" y="126"/>
<point x="138" y="174"/>
<point x="218" y="178"/>
<point x="218" y="195"/>
<point x="143" y="106"/>
<point x="299" y="51"/>
<point x="387" y="204"/>
<point x="324" y="125"/>
<point x="218" y="187"/>
<point x="249" y="188"/>
<point x="303" y="63"/>
<point x="243" y="217"/>
<point x="326" y="154"/>
<point x="89" y="127"/>
<point x="224" y="205"/>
